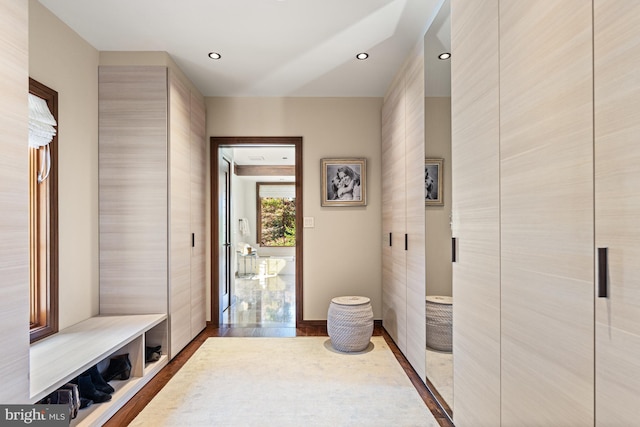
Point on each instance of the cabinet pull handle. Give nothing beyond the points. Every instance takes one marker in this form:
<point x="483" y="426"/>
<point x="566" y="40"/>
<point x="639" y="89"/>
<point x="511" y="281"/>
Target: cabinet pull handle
<point x="454" y="249"/>
<point x="603" y="272"/>
<point x="406" y="242"/>
<point x="193" y="240"/>
<point x="390" y="240"/>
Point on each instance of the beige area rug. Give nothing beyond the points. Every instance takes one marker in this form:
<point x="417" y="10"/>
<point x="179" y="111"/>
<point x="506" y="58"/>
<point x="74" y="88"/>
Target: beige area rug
<point x="298" y="381"/>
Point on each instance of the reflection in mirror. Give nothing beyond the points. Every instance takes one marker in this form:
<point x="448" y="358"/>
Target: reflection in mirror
<point x="438" y="301"/>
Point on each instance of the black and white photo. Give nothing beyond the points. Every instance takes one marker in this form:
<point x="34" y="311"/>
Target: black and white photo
<point x="343" y="182"/>
<point x="433" y="182"/>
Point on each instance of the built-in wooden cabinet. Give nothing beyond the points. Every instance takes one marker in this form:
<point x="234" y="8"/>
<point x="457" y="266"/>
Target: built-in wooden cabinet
<point x="14" y="199"/>
<point x="151" y="129"/>
<point x="617" y="209"/>
<point x="546" y="213"/>
<point x="475" y="93"/>
<point x="549" y="123"/>
<point x="403" y="270"/>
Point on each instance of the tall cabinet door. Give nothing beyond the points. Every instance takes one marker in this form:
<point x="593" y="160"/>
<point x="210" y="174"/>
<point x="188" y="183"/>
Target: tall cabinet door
<point x="133" y="189"/>
<point x="14" y="199"/>
<point x="180" y="214"/>
<point x="414" y="200"/>
<point x="546" y="166"/>
<point x="198" y="182"/>
<point x="617" y="187"/>
<point x="394" y="294"/>
<point x="476" y="212"/>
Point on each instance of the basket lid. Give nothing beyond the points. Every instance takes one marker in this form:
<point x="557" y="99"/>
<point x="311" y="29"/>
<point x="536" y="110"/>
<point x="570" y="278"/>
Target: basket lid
<point x="439" y="299"/>
<point x="351" y="300"/>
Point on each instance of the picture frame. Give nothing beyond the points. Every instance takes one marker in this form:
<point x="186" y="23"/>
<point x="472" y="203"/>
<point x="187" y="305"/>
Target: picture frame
<point x="343" y="182"/>
<point x="433" y="182"/>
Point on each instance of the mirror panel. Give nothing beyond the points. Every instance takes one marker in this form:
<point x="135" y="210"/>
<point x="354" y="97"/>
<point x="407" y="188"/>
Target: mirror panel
<point x="438" y="301"/>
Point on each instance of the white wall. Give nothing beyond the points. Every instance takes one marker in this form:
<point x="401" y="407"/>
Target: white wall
<point x="342" y="252"/>
<point x="60" y="59"/>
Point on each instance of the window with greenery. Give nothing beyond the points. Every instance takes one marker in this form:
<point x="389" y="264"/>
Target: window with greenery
<point x="43" y="219"/>
<point x="276" y="214"/>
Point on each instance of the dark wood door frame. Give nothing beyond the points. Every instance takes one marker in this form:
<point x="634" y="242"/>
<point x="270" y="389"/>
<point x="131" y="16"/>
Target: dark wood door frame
<point x="253" y="141"/>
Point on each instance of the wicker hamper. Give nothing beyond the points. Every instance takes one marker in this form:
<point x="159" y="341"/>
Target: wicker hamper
<point x="439" y="320"/>
<point x="350" y="323"/>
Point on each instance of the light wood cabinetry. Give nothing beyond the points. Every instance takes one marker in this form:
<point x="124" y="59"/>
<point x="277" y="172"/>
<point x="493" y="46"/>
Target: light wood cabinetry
<point x="14" y="243"/>
<point x="394" y="298"/>
<point x="546" y="197"/>
<point x="403" y="250"/>
<point x="568" y="118"/>
<point x="476" y="212"/>
<point x="58" y="359"/>
<point x="617" y="209"/>
<point x="146" y="184"/>
<point x="198" y="209"/>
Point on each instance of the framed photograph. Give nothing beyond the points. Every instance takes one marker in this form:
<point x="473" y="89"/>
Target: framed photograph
<point x="343" y="182"/>
<point x="433" y="188"/>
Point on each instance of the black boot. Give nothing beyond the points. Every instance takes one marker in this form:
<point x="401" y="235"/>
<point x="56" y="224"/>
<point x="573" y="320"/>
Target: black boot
<point x="88" y="390"/>
<point x="119" y="368"/>
<point x="85" y="403"/>
<point x="152" y="354"/>
<point x="99" y="382"/>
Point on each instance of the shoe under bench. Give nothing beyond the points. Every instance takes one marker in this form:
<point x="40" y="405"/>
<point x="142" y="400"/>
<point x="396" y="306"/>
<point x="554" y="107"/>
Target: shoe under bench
<point x="57" y="359"/>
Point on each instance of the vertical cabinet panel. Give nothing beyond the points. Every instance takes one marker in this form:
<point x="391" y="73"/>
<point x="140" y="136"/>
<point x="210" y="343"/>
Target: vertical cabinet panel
<point x="617" y="182"/>
<point x="151" y="190"/>
<point x="476" y="212"/>
<point x="180" y="214"/>
<point x="14" y="184"/>
<point x="546" y="154"/>
<point x="414" y="178"/>
<point x="403" y="280"/>
<point x="198" y="183"/>
<point x="394" y="296"/>
<point x="132" y="186"/>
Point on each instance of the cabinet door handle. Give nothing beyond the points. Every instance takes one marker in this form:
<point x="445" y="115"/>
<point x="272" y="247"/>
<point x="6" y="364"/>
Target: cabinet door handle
<point x="193" y="240"/>
<point x="390" y="240"/>
<point x="454" y="249"/>
<point x="406" y="242"/>
<point x="603" y="272"/>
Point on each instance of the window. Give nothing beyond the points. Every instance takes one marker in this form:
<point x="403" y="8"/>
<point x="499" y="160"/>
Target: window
<point x="276" y="204"/>
<point x="43" y="226"/>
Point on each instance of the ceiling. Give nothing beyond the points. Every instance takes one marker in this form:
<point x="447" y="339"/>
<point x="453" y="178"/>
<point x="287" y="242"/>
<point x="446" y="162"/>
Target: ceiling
<point x="268" y="47"/>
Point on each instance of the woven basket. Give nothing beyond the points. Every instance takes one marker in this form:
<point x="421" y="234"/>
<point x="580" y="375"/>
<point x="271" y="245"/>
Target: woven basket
<point x="439" y="321"/>
<point x="350" y="323"/>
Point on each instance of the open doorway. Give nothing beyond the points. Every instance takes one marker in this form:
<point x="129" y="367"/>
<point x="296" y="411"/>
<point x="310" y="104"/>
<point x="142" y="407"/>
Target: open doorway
<point x="256" y="266"/>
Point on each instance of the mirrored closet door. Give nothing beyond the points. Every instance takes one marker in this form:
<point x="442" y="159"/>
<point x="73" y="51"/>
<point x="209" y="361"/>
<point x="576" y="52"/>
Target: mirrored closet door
<point x="438" y="298"/>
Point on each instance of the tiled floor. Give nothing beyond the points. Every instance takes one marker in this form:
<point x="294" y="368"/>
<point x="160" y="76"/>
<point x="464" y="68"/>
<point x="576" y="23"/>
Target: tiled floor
<point x="267" y="301"/>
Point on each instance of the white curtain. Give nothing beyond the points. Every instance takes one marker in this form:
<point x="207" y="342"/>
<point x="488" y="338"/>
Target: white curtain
<point x="41" y="132"/>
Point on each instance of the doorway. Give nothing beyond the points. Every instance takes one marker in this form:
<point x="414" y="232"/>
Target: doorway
<point x="249" y="265"/>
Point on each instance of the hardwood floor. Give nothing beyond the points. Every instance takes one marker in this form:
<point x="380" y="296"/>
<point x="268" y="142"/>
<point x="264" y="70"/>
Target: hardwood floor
<point x="144" y="396"/>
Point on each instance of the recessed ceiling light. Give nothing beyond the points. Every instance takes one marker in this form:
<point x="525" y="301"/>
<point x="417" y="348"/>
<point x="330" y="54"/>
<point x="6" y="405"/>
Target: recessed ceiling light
<point x="214" y="55"/>
<point x="362" y="56"/>
<point x="445" y="55"/>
